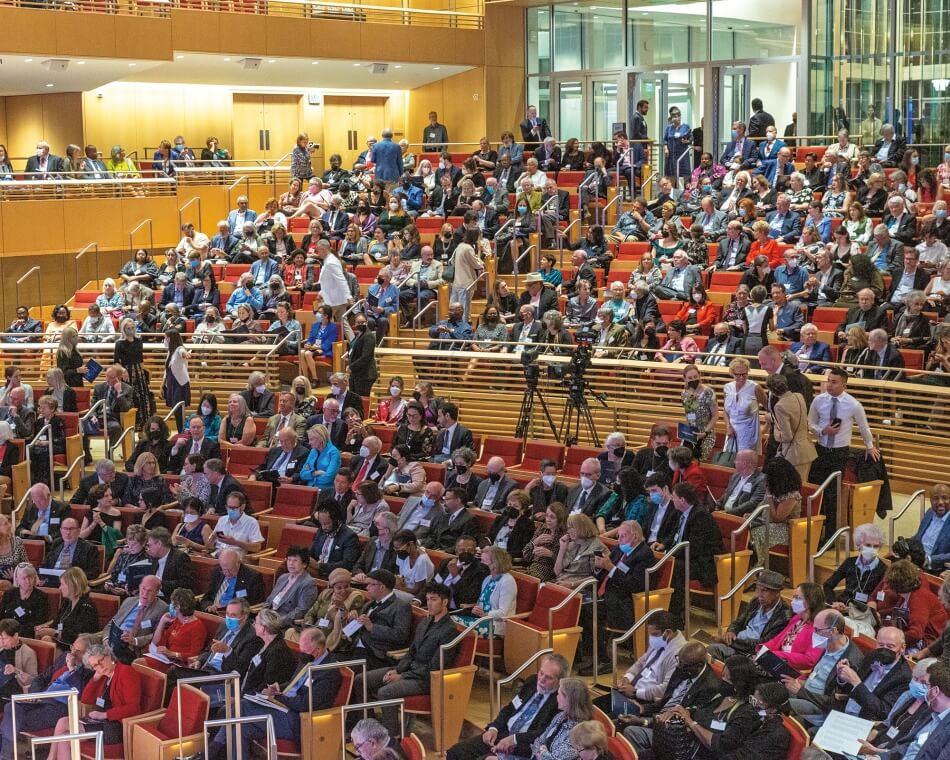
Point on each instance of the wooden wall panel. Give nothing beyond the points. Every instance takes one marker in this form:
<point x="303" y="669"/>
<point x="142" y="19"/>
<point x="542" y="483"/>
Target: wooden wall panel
<point x="62" y="119"/>
<point x="213" y="119"/>
<point x="242" y="33"/>
<point x="214" y="206"/>
<point x="4" y="140"/>
<point x="384" y="42"/>
<point x="21" y="221"/>
<point x="94" y="220"/>
<point x="111" y="119"/>
<point x="460" y="102"/>
<point x="54" y="117"/>
<point x="469" y="47"/>
<point x="196" y="30"/>
<point x="164" y="215"/>
<point x="504" y="35"/>
<point x="25" y="125"/>
<point x="86" y="34"/>
<point x="279" y="32"/>
<point x="430" y="45"/>
<point x="311" y="122"/>
<point x="505" y="100"/>
<point x="19" y="31"/>
<point x="345" y="37"/>
<point x="149" y="38"/>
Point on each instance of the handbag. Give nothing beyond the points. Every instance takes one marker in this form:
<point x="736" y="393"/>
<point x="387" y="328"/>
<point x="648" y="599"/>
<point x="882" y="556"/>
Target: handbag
<point x="448" y="271"/>
<point x="727" y="457"/>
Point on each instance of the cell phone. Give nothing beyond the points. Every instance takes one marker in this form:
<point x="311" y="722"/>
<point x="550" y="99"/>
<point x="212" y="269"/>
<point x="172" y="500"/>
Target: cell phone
<point x="836" y="421"/>
<point x="219" y="533"/>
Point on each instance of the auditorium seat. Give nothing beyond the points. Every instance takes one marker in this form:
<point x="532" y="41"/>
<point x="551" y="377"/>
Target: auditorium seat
<point x="45" y="653"/>
<point x="621" y="749"/>
<point x="535" y="451"/>
<point x="204" y="568"/>
<point x="523" y="638"/>
<point x="242" y="460"/>
<point x="291" y="535"/>
<point x="574" y="457"/>
<point x="107" y="605"/>
<point x="509" y="449"/>
<point x="156" y="736"/>
<point x="797" y="559"/>
<point x="296" y="502"/>
<point x="260" y="495"/>
<point x="413" y="748"/>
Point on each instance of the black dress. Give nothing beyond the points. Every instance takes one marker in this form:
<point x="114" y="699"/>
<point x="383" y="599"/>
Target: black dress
<point x="129" y="354"/>
<point x="73" y="620"/>
<point x="70" y="364"/>
<point x="39" y="455"/>
<point x="34" y="609"/>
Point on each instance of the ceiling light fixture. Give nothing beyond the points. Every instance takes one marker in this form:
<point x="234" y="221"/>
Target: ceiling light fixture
<point x="133" y="64"/>
<point x="27" y="60"/>
<point x="397" y="66"/>
<point x="80" y="63"/>
<point x="227" y="59"/>
<point x="436" y="68"/>
<point x="272" y="60"/>
<point x="179" y="57"/>
<point x="50" y="85"/>
<point x="314" y="63"/>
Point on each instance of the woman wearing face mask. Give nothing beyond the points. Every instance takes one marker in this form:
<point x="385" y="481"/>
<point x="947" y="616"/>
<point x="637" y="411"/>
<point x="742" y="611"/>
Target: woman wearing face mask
<point x="798" y="644"/>
<point x="724" y="726"/>
<point x="627" y="502"/>
<point x="861" y="573"/>
<point x="541" y="551"/>
<point x="910" y="713"/>
<point x="191" y="533"/>
<point x="362" y="510"/>
<point x="699" y="313"/>
<point x="414" y="432"/>
<point x="176" y="385"/>
<point x="210" y="329"/>
<point x="413" y="567"/>
<point x="304" y="402"/>
<point x="701" y="410"/>
<point x="498" y="597"/>
<point x="128" y="353"/>
<point x="514" y="527"/>
<point x="902" y="599"/>
<point x="403" y="477"/>
<point x="318" y="347"/>
<point x="460" y="475"/>
<point x="208" y="411"/>
<point x="54" y="328"/>
<point x="150" y="503"/>
<point x="576" y="551"/>
<point x="393" y="218"/>
<point x="179" y="635"/>
<point x="770" y="740"/>
<point x="132" y="552"/>
<point x="392" y="409"/>
<point x="741" y="408"/>
<point x="783" y="492"/>
<point x="677" y="141"/>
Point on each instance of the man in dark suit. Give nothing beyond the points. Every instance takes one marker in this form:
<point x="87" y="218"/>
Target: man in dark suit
<point x="43" y="164"/>
<point x="662" y="518"/>
<point x="172" y="566"/>
<point x="589" y="495"/>
<point x="342" y="490"/>
<point x="561" y="209"/>
<point x="733" y="248"/>
<point x="335" y="545"/>
<point x="866" y="314"/>
<point x="889" y="149"/>
<point x="721" y="347"/>
<point x="443" y="199"/>
<point x="452" y="435"/>
<point x="222" y="484"/>
<point x="528" y="329"/>
<point x="548" y="155"/>
<point x="654" y="456"/>
<point x="44" y="517"/>
<point x="523" y="719"/>
<point x="105" y="474"/>
<point x="760" y="120"/>
<point x="812" y="698"/>
<point x="286" y="458"/>
<point x="331" y="418"/>
<point x="179" y="292"/>
<point x="699" y="530"/>
<point x="740" y="145"/>
<point x="692" y="685"/>
<point x="117" y="399"/>
<point x="378" y="553"/>
<point x="533" y="130"/>
<point x="454" y="521"/>
<point x="619" y="576"/>
<point x="876" y="684"/>
<point x="362" y="362"/>
<point x="937" y="545"/>
<point x="785" y="225"/>
<point x="410" y="676"/>
<point x="762" y="619"/>
<point x="907" y="276"/>
<point x="368" y="464"/>
<point x="582" y="271"/>
<point x="787" y="315"/>
<point x="594" y="185"/>
<point x="537" y="288"/>
<point x="486" y="218"/>
<point x="884" y="358"/>
<point x="506" y="174"/>
<point x="746" y="488"/>
<point x="232" y="579"/>
<point x="259" y="399"/>
<point x="69" y="550"/>
<point x="192" y="441"/>
<point x="335" y="221"/>
<point x="492" y="492"/>
<point x="809" y="349"/>
<point x="384" y="622"/>
<point x="448" y="169"/>
<point x="462" y="574"/>
<point x="901" y="224"/>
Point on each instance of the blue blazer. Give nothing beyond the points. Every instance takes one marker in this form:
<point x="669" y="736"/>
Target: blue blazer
<point x="791" y="227"/>
<point x="327" y="460"/>
<point x="777" y="145"/>
<point x="941" y="552"/>
<point x="270" y="269"/>
<point x="748" y="153"/>
<point x="820" y="352"/>
<point x="249" y="216"/>
<point x="387" y="156"/>
<point x="324" y="336"/>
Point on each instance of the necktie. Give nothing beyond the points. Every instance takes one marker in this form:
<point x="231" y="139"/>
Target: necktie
<point x="581" y="502"/>
<point x="325" y="550"/>
<point x="681" y="530"/>
<point x="653" y="657"/>
<point x="282" y="423"/>
<point x="361" y="475"/>
<point x="137" y="623"/>
<point x="41" y="516"/>
<point x="830" y="438"/>
<point x="213" y="495"/>
<point x="65" y="558"/>
<point x="226" y="591"/>
<point x="527" y="714"/>
<point x="678" y="694"/>
<point x="196" y="447"/>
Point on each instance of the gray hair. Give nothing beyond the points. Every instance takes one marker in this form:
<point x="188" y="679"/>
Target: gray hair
<point x="922" y="666"/>
<point x="914" y="296"/>
<point x="105" y="467"/>
<point x="370" y="729"/>
<point x="886" y="126"/>
<point x="560" y="661"/>
<point x="881" y="229"/>
<point x="97" y="650"/>
<point x="390" y="519"/>
<point x="270" y="621"/>
<point x="797" y="175"/>
<point x="25" y="568"/>
<point x="878" y="334"/>
<point x="387" y="133"/>
<point x="867" y="532"/>
<point x="616" y="438"/>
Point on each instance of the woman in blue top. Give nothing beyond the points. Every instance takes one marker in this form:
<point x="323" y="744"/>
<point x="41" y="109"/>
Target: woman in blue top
<point x="110" y="299"/>
<point x="549" y="271"/>
<point x="322" y="463"/>
<point x="677" y="140"/>
<point x="208" y="411"/>
<point x="285" y="324"/>
<point x="319" y="343"/>
<point x="382" y="299"/>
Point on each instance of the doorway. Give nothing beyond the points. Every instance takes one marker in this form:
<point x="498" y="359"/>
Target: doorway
<point x="265" y="126"/>
<point x="680" y="88"/>
<point x="348" y="121"/>
<point x="587" y="106"/>
<point x="735" y="103"/>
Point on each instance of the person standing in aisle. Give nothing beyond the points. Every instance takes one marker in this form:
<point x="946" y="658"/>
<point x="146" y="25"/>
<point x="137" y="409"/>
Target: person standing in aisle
<point x="176" y="386"/>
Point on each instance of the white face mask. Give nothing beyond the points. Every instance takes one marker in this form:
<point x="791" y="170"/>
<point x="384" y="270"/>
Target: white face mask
<point x="260" y="389"/>
<point x="818" y="641"/>
<point x="798" y="606"/>
<point x="586" y="483"/>
<point x="656" y="642"/>
<point x="394" y="390"/>
<point x="697" y="297"/>
<point x="868" y="553"/>
<point x="548" y="480"/>
<point x="189" y="519"/>
<point x="364" y="452"/>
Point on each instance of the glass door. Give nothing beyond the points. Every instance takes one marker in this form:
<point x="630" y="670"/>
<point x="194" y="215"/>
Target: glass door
<point x="586" y="107"/>
<point x="604" y="108"/>
<point x="734" y="99"/>
<point x="570" y="108"/>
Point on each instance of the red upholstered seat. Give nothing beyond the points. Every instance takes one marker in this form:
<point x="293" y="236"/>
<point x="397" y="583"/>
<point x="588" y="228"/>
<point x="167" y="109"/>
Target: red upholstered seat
<point x="295" y="501"/>
<point x="509" y="449"/>
<point x="243" y="459"/>
<point x="535" y="451"/>
<point x="465" y="655"/>
<point x="799" y="736"/>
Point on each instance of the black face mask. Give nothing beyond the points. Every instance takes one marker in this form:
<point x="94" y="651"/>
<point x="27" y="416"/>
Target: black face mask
<point x="650" y="331"/>
<point x="884" y="656"/>
<point x="379" y="280"/>
<point x="661" y="451"/>
<point x="494" y="477"/>
<point x="360" y="327"/>
<point x="416" y="395"/>
<point x="300" y="390"/>
<point x="466" y="558"/>
<point x="619" y="451"/>
<point x="512" y="514"/>
<point x="694" y="384"/>
<point x="403" y="554"/>
<point x="155" y="435"/>
<point x="461" y="469"/>
<point x="690" y="672"/>
<point x="393" y="462"/>
<point x="720" y="338"/>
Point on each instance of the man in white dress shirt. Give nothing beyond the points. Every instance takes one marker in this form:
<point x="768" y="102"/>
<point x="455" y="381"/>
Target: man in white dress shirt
<point x="334" y="289"/>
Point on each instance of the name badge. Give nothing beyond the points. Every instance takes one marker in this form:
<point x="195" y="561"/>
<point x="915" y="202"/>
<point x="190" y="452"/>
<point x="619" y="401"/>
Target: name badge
<point x="256" y="660"/>
<point x="880" y="596"/>
<point x="59" y="628"/>
<point x="892" y="732"/>
<point x="425" y="523"/>
<point x="323" y="623"/>
<point x="747" y="488"/>
<point x="861" y="597"/>
<point x="146" y="624"/>
<point x="20" y="612"/>
<point x="516" y="702"/>
<point x="54" y="521"/>
<point x="718" y="725"/>
<point x="121" y="578"/>
<point x="241" y="594"/>
<point x="100" y="702"/>
<point x="622" y="567"/>
<point x="691" y="418"/>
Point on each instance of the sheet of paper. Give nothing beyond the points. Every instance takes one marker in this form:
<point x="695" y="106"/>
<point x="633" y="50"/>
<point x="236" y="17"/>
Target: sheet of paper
<point x="352" y="627"/>
<point x="841" y="733"/>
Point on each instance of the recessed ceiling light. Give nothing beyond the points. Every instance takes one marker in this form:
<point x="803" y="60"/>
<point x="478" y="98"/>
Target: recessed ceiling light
<point x="396" y="81"/>
<point x="397" y="66"/>
<point x="272" y="60"/>
<point x="357" y="64"/>
<point x="27" y="60"/>
<point x="179" y="57"/>
<point x="227" y="59"/>
<point x="436" y="68"/>
<point x="133" y="64"/>
<point x="314" y="63"/>
<point x="80" y="63"/>
<point x="50" y="85"/>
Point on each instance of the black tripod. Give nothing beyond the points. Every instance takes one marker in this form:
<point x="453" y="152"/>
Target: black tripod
<point x="525" y="416"/>
<point x="577" y="412"/>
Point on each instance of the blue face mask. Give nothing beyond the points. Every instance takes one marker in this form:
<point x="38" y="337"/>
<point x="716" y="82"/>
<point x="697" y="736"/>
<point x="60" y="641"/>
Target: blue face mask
<point x="172" y="611"/>
<point x="656" y="497"/>
<point x="735" y="134"/>
<point x="625" y="548"/>
<point x="918" y="690"/>
<point x="940" y="213"/>
<point x="522" y="209"/>
<point x="318" y="319"/>
<point x="946" y="156"/>
<point x="234" y="514"/>
<point x="233" y="624"/>
<point x="707" y="188"/>
<point x="427" y="502"/>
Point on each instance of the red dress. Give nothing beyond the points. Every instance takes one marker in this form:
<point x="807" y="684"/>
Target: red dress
<point x="184" y="639"/>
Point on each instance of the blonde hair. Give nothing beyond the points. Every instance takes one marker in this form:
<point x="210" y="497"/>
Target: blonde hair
<point x="583" y="525"/>
<point x="590" y="734"/>
<point x="321" y="432"/>
<point x="124" y="325"/>
<point x="500" y="559"/>
<point x="68" y="339"/>
<point x="739" y="363"/>
<point x="76" y="581"/>
<point x="144" y="458"/>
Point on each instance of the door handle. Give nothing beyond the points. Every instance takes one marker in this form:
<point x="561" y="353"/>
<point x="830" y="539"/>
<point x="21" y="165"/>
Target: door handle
<point x="260" y="139"/>
<point x="267" y="139"/>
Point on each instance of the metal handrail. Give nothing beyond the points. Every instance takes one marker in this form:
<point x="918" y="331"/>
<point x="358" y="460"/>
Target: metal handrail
<point x="79" y="255"/>
<point x="649" y="179"/>
<point x="561" y="235"/>
<point x="111" y="447"/>
<point x="918" y="494"/>
<point x="277" y="345"/>
<point x="519" y="670"/>
<point x="518" y="260"/>
<point x="232" y="701"/>
<point x="270" y="736"/>
<point x="603" y="212"/>
<point x="172" y="411"/>
<point x="332" y="666"/>
<point x="281" y="160"/>
<point x="80" y="461"/>
<point x="353" y="308"/>
<point x="471" y="287"/>
<point x="836" y="476"/>
<point x="563" y="603"/>
<point x="846" y="532"/>
<point x="101" y="403"/>
<point x="181" y="211"/>
<point x="247" y="188"/>
<point x="743" y="582"/>
<point x="670" y="554"/>
<point x="151" y="238"/>
<point x="431" y="304"/>
<point x="644" y="619"/>
<point x="39" y="285"/>
<point x="491" y="666"/>
<point x="72" y="709"/>
<point x="505" y="226"/>
<point x="746" y="525"/>
<point x="73" y="736"/>
<point x="49" y="448"/>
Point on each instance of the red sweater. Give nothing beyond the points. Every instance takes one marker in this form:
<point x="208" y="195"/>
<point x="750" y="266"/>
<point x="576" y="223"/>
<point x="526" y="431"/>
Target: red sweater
<point x="705" y="314"/>
<point x="803" y="655"/>
<point x="693" y="474"/>
<point x="125" y="692"/>
<point x="769" y="248"/>
<point x="927" y="616"/>
<point x="185" y="639"/>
